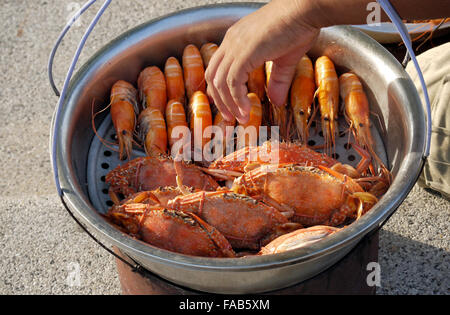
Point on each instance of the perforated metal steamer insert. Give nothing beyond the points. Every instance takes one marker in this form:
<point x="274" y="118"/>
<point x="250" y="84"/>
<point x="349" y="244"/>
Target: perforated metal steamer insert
<point x="101" y="159"/>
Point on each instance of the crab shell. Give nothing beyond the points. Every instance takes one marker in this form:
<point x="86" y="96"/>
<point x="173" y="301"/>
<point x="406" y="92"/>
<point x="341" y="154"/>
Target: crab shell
<point x="184" y="233"/>
<point x="176" y="231"/>
<point x="149" y="173"/>
<point x="297" y="239"/>
<point x="244" y="221"/>
<point x="272" y="153"/>
<point x="315" y="196"/>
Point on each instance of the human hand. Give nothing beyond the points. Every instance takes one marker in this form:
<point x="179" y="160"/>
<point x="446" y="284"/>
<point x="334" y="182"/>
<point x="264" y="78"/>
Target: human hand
<point x="279" y="32"/>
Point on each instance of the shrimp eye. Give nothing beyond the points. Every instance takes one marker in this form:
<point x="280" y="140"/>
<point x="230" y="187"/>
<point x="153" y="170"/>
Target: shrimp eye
<point x="124" y="132"/>
<point x="302" y="113"/>
<point x="326" y="119"/>
<point x="361" y="124"/>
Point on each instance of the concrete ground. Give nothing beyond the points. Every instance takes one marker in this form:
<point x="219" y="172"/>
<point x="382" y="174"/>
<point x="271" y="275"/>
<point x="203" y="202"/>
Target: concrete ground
<point x="41" y="247"/>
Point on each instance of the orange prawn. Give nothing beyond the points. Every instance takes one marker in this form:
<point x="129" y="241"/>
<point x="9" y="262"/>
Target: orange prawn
<point x="152" y="130"/>
<point x="253" y="123"/>
<point x="175" y="116"/>
<point x="152" y="88"/>
<point x="302" y="96"/>
<point x="174" y="80"/>
<point x="124" y="108"/>
<point x="194" y="71"/>
<point x="328" y="97"/>
<point x="279" y="114"/>
<point x="207" y="51"/>
<point x="200" y="119"/>
<point x="357" y="114"/>
<point x="256" y="81"/>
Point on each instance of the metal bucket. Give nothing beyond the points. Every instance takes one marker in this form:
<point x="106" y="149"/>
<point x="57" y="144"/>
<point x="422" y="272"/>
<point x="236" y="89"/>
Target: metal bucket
<point x="393" y="98"/>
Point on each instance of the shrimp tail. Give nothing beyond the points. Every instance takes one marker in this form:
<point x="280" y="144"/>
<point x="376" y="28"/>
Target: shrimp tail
<point x="125" y="144"/>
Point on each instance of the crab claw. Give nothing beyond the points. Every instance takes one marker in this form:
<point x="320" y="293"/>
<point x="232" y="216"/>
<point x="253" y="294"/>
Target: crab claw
<point x="366" y="201"/>
<point x="349" y="182"/>
<point x="297" y="239"/>
<point x="346" y="170"/>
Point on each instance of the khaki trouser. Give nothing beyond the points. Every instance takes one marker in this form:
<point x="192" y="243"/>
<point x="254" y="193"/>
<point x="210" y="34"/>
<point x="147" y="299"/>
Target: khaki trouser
<point x="435" y="65"/>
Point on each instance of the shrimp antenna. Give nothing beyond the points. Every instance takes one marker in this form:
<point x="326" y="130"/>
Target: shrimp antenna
<point x="106" y="143"/>
<point x="430" y="36"/>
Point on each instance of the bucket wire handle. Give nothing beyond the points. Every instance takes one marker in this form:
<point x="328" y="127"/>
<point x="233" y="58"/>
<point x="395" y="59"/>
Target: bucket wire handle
<point x="135" y="267"/>
<point x="59" y="40"/>
<point x="68" y="78"/>
<point x="404" y="34"/>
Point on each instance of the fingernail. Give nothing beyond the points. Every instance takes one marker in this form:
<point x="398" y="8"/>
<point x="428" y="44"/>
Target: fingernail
<point x="278" y="103"/>
<point x="244" y="119"/>
<point x="245" y="111"/>
<point x="228" y="117"/>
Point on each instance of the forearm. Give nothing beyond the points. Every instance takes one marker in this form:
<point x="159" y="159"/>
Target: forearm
<point x="321" y="13"/>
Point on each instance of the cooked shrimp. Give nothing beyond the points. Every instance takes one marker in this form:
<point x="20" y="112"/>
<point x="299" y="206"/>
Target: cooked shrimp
<point x="124" y="108"/>
<point x="175" y="116"/>
<point x="194" y="71"/>
<point x="174" y="80"/>
<point x="357" y="114"/>
<point x="328" y="97"/>
<point x="251" y="134"/>
<point x="302" y="96"/>
<point x="124" y="120"/>
<point x="152" y="129"/>
<point x="152" y="88"/>
<point x="256" y="81"/>
<point x="200" y="119"/>
<point x="207" y="51"/>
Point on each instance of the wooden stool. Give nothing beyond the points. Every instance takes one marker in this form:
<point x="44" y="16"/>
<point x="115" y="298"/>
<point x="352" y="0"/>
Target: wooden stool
<point x="348" y="276"/>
